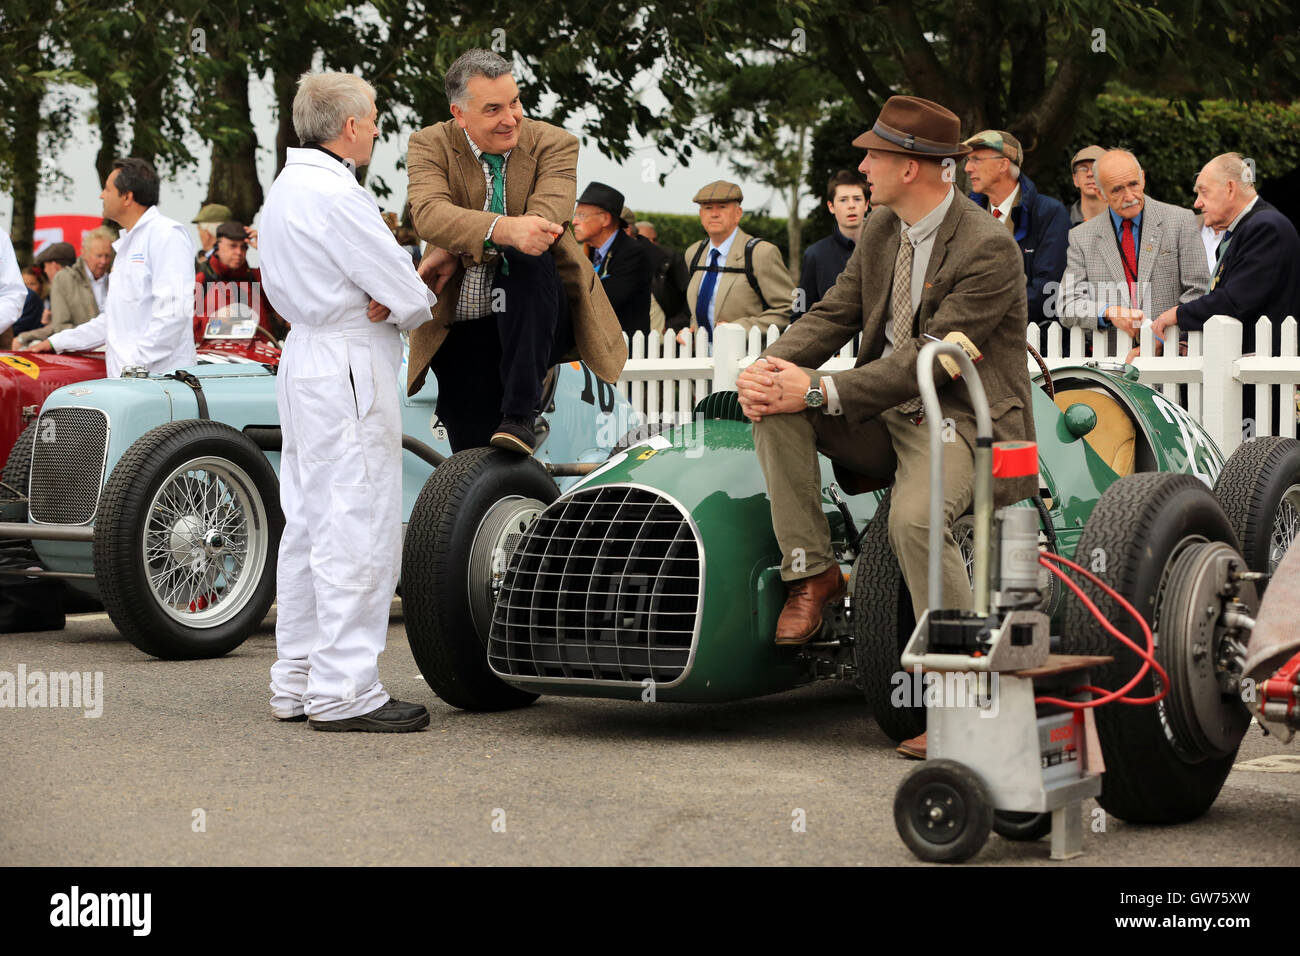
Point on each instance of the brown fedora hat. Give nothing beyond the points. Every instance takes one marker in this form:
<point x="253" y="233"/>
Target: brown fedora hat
<point x="915" y="127"/>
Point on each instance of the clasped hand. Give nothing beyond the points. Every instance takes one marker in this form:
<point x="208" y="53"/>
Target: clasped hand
<point x="772" y="386"/>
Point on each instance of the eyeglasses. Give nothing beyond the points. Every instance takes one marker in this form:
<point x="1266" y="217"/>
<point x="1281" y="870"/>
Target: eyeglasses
<point x="982" y="159"/>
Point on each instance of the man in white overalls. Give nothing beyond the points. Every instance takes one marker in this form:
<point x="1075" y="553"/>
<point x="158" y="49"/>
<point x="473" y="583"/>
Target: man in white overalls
<point x="331" y="267"/>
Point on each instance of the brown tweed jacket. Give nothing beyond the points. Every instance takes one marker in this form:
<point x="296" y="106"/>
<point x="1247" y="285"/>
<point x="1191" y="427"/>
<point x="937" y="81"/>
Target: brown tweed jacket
<point x="72" y="302"/>
<point x="447" y="193"/>
<point x="974" y="283"/>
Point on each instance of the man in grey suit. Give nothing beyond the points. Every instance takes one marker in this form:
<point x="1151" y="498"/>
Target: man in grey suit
<point x="1136" y="261"/>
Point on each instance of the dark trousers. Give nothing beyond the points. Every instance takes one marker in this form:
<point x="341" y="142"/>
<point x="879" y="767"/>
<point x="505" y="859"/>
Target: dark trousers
<point x="494" y="366"/>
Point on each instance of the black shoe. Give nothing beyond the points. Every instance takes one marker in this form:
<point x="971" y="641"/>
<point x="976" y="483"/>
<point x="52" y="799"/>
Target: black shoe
<point x="393" y="717"/>
<point x="515" y="433"/>
<point x="295" y="719"/>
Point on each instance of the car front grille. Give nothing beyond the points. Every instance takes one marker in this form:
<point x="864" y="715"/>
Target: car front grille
<point x="68" y="465"/>
<point x="606" y="585"/>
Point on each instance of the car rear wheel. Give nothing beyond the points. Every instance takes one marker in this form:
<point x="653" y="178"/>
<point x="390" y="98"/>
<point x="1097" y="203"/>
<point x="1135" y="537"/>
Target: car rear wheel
<point x="1162" y="542"/>
<point x="1259" y="489"/>
<point x="186" y="539"/>
<point x="466" y="521"/>
<point x="882" y="623"/>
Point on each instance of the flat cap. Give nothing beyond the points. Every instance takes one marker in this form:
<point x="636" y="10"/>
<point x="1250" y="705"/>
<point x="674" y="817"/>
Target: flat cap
<point x="60" y="252"/>
<point x="628" y="216"/>
<point x="720" y="191"/>
<point x="1000" y="141"/>
<point x="1089" y="154"/>
<point x="231" y="229"/>
<point x="214" y="212"/>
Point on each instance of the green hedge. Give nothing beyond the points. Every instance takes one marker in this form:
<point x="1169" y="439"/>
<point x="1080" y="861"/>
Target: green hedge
<point x="1173" y="147"/>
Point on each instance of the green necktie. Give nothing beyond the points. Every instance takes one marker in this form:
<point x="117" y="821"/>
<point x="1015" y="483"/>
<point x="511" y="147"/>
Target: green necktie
<point x="497" y="163"/>
<point x="498" y="202"/>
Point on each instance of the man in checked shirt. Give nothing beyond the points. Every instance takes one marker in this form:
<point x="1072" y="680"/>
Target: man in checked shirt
<point x="492" y="194"/>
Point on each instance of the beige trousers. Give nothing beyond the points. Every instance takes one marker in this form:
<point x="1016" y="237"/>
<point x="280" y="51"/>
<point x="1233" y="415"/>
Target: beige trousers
<point x="890" y="445"/>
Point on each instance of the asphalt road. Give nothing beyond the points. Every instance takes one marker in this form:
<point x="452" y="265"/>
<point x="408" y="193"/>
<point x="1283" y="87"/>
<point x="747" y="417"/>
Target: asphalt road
<point x="186" y="766"/>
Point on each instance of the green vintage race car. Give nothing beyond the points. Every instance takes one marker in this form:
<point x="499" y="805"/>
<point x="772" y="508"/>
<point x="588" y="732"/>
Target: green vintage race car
<point x="657" y="576"/>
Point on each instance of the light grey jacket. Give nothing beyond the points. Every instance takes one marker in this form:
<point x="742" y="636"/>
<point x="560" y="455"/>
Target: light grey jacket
<point x="1171" y="266"/>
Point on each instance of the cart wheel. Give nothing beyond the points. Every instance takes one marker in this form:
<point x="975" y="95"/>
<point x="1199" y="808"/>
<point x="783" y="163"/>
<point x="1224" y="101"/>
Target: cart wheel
<point x="1019" y="825"/>
<point x="943" y="812"/>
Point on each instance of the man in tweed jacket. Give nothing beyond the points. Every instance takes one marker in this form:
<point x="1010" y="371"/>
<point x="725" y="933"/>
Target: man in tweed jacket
<point x="968" y="279"/>
<point x="1100" y="271"/>
<point x="515" y="292"/>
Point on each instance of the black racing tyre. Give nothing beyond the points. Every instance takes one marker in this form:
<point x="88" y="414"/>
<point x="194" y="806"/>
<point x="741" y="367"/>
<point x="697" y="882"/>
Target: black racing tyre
<point x="1140" y="525"/>
<point x="943" y="812"/>
<point x="18" y="466"/>
<point x="1020" y="825"/>
<point x="882" y="623"/>
<point x="1259" y="489"/>
<point x="471" y="502"/>
<point x="186" y="540"/>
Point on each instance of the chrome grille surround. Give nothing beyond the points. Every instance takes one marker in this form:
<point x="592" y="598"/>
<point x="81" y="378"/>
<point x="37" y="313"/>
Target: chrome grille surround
<point x="606" y="588"/>
<point x="68" y="458"/>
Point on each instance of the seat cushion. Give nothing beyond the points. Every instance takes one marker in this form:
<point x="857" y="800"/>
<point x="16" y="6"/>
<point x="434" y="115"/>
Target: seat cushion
<point x="1114" y="439"/>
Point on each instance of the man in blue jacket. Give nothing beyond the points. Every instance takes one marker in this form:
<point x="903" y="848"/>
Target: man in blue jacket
<point x="1039" y="224"/>
<point x="1257" y="265"/>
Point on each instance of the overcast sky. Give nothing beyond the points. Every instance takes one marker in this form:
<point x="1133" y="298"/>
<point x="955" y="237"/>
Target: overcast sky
<point x="181" y="196"/>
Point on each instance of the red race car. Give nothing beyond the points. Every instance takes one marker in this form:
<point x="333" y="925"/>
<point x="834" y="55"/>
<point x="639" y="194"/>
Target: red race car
<point x="27" y="378"/>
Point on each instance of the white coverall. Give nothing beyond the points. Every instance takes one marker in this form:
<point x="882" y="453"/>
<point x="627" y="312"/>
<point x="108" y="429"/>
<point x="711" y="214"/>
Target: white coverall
<point x="13" y="291"/>
<point x="148" y="316"/>
<point x="325" y="253"/>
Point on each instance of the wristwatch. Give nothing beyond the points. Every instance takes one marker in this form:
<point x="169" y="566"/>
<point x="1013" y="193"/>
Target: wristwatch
<point x="814" y="397"/>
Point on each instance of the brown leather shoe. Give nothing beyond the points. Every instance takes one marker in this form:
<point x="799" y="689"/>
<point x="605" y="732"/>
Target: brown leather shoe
<point x="913" y="749"/>
<point x="801" y="618"/>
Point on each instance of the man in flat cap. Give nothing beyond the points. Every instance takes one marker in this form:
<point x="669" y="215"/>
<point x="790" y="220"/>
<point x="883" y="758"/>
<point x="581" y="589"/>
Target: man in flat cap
<point x="619" y="260"/>
<point x="211" y="216"/>
<point x="1083" y="170"/>
<point x="492" y="193"/>
<point x="734" y="277"/>
<point x="78" y="293"/>
<point x="1038" y="223"/>
<point x="929" y="263"/>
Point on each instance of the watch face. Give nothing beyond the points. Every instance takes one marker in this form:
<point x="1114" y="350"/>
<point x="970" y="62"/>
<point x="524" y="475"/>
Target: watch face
<point x="814" y="398"/>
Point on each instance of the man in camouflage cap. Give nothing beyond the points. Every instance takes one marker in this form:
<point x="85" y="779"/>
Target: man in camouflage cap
<point x="209" y="218"/>
<point x="734" y="277"/>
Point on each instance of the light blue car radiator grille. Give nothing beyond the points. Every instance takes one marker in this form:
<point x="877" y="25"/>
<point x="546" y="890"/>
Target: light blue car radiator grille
<point x="68" y="465"/>
<point x="605" y="585"/>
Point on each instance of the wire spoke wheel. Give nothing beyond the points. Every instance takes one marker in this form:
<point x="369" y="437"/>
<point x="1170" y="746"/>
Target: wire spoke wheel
<point x="201" y="560"/>
<point x="1285" y="527"/>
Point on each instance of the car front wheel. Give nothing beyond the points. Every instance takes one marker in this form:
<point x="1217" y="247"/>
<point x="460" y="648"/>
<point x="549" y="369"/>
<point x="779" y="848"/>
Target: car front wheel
<point x="186" y="538"/>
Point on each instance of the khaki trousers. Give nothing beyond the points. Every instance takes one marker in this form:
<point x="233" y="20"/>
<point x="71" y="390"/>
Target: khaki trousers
<point x="890" y="445"/>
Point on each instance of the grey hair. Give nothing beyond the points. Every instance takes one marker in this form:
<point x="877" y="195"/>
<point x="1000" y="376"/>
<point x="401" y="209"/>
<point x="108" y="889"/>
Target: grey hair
<point x="1233" y="168"/>
<point x="468" y="65"/>
<point x="100" y="234"/>
<point x="1014" y="170"/>
<point x="324" y="102"/>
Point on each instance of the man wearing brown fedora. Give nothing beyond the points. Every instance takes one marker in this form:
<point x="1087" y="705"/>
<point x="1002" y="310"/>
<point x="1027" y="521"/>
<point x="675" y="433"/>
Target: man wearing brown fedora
<point x="928" y="264"/>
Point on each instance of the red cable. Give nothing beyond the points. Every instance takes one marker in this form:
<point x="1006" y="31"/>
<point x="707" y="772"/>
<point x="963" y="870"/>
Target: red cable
<point x="1147" y="655"/>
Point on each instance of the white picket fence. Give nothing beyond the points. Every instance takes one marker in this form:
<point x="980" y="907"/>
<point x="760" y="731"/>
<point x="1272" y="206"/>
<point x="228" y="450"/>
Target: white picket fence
<point x="664" y="380"/>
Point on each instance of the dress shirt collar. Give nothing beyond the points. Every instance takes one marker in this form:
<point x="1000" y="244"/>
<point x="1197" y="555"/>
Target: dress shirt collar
<point x="1005" y="206"/>
<point x="1247" y="208"/>
<point x="478" y="153"/>
<point x="603" y="249"/>
<point x="724" y="247"/>
<point x="1118" y="222"/>
<point x="925" y="227"/>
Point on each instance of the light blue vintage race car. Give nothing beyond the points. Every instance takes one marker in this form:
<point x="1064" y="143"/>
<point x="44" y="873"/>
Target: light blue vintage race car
<point x="158" y="495"/>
